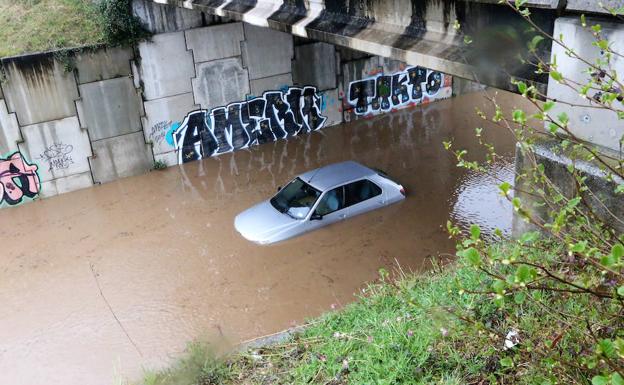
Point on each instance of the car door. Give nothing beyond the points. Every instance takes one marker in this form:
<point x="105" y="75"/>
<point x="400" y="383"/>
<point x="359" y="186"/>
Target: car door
<point x="331" y="209"/>
<point x="362" y="196"/>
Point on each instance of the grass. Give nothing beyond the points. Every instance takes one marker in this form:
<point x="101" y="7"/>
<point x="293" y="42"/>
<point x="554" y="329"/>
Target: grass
<point x="39" y="25"/>
<point x="417" y="329"/>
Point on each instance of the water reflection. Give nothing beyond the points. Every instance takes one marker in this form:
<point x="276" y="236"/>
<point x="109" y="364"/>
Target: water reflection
<point x="478" y="200"/>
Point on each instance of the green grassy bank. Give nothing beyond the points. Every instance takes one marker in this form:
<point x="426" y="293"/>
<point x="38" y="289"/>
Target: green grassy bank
<point x="417" y="329"/>
<point x="39" y="25"/>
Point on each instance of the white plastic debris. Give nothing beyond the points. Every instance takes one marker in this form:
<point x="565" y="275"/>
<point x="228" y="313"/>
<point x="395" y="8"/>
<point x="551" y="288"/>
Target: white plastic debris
<point x="512" y="339"/>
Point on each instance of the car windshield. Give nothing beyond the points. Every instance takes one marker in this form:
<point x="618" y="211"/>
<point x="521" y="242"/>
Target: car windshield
<point x="296" y="199"/>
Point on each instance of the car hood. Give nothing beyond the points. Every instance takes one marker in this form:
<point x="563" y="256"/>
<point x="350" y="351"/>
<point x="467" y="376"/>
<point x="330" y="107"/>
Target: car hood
<point x="262" y="222"/>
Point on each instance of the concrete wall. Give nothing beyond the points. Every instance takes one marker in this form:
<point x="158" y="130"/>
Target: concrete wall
<point x="598" y="126"/>
<point x="63" y="113"/>
<point x="600" y="196"/>
<point x="201" y="86"/>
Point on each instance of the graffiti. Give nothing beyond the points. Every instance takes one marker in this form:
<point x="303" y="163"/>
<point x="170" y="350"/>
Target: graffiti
<point x="158" y="132"/>
<point x="275" y="115"/>
<point x="384" y="93"/>
<point x="58" y="156"/>
<point x="18" y="178"/>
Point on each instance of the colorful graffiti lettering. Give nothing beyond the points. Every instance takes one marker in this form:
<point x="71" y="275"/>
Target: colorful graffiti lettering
<point x="18" y="178"/>
<point x="383" y="93"/>
<point x="275" y="115"/>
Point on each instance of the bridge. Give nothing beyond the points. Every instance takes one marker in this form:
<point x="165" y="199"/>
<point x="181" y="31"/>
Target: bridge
<point x="418" y="32"/>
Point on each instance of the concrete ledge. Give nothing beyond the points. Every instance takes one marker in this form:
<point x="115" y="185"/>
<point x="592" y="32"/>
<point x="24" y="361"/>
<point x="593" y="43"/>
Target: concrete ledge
<point x="601" y="195"/>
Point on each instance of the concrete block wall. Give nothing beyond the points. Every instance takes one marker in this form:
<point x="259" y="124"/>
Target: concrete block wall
<point x="201" y="86"/>
<point x="216" y="72"/>
<point x="63" y="114"/>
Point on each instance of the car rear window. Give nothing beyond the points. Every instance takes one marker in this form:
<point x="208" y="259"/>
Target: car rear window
<point x="360" y="191"/>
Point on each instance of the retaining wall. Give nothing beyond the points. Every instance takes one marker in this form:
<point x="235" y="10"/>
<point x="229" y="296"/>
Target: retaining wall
<point x="200" y="87"/>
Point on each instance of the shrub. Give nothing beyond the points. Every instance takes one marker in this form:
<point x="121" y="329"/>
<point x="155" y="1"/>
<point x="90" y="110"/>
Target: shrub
<point x="121" y="26"/>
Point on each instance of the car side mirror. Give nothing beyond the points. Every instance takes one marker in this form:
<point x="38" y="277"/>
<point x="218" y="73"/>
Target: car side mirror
<point x="316" y="217"/>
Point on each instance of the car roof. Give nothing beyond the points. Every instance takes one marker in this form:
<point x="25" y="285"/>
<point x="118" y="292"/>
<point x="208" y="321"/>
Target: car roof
<point x="335" y="174"/>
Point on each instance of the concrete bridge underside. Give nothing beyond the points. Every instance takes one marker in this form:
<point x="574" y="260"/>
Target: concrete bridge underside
<point x="418" y="32"/>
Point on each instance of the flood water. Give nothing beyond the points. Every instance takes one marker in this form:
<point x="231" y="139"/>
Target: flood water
<point x="163" y="250"/>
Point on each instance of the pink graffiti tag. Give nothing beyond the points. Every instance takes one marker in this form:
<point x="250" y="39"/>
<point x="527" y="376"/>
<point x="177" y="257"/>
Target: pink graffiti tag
<point x="18" y="178"/>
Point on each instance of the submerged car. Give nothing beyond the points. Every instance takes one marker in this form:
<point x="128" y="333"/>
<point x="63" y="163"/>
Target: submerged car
<point x="318" y="198"/>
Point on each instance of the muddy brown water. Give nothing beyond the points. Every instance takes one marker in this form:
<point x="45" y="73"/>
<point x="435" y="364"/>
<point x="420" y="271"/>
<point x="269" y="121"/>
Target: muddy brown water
<point x="172" y="267"/>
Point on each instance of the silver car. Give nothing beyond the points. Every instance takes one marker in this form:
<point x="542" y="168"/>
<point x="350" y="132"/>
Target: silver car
<point x="318" y="198"/>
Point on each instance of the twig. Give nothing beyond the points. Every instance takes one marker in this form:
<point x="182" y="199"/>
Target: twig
<point x="97" y="282"/>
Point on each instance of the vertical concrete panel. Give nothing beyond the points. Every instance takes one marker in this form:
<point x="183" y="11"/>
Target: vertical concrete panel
<point x="60" y="148"/>
<point x="598" y="126"/>
<point x="592" y="5"/>
<point x="161" y="18"/>
<point x="38" y="89"/>
<point x="313" y="65"/>
<point x="160" y="118"/>
<point x="110" y="108"/>
<point x="266" y="52"/>
<point x="103" y="64"/>
<point x="120" y="157"/>
<point x="220" y="82"/>
<point x="166" y="66"/>
<point x="272" y="83"/>
<point x="9" y="131"/>
<point x="215" y="42"/>
<point x="331" y="107"/>
<point x="66" y="184"/>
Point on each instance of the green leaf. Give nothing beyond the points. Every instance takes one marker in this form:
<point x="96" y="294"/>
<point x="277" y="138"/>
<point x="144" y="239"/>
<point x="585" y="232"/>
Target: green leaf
<point x="506" y="362"/>
<point x="578" y="247"/>
<point x="606" y="348"/>
<point x="583" y="21"/>
<point x="529" y="237"/>
<point x="535" y="42"/>
<point x="505" y="187"/>
<point x="616" y="379"/>
<point x="523" y="274"/>
<point x="522" y="87"/>
<point x="553" y="128"/>
<point x="600" y="380"/>
<point x="608" y="260"/>
<point x="475" y="232"/>
<point x="519" y="297"/>
<point x="548" y="105"/>
<point x="620" y="291"/>
<point x="563" y="119"/>
<point x="617" y="251"/>
<point x="519" y="116"/>
<point x="499" y="286"/>
<point x="473" y="256"/>
<point x="556" y="75"/>
<point x="603" y="44"/>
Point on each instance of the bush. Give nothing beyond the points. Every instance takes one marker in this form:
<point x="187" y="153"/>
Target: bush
<point x="121" y="26"/>
<point x="560" y="289"/>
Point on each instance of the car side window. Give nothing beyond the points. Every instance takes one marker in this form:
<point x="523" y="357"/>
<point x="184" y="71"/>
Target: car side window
<point x="332" y="201"/>
<point x="360" y="191"/>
